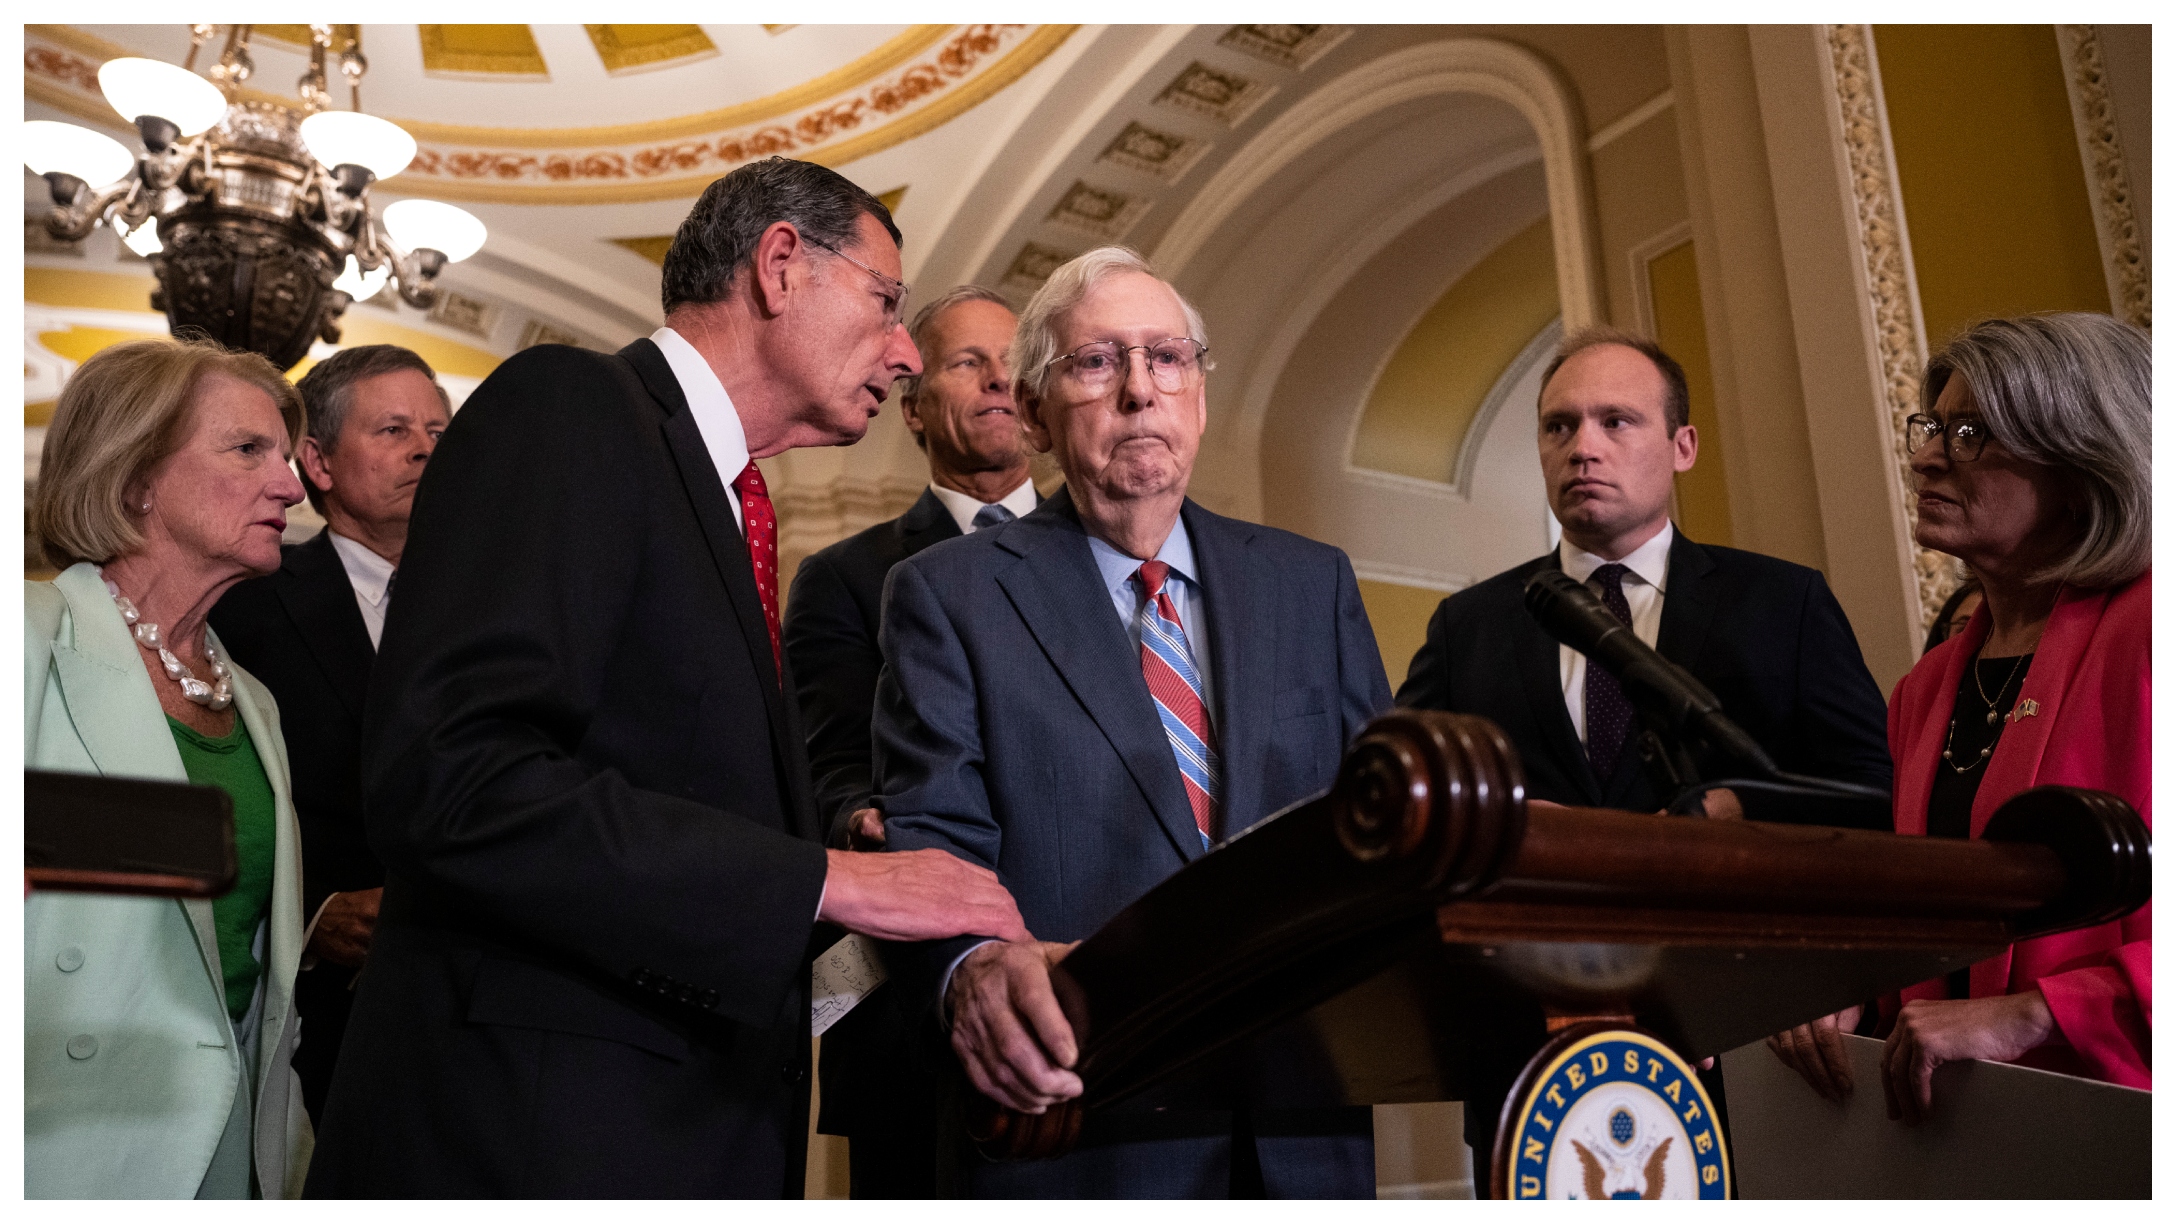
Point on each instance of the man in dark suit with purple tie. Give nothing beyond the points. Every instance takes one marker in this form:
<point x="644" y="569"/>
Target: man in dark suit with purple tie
<point x="1089" y="698"/>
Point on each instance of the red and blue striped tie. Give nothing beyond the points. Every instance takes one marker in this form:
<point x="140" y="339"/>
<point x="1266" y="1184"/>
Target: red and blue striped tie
<point x="1168" y="666"/>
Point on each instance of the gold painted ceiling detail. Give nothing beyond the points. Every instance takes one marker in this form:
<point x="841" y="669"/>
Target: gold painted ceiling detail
<point x="653" y="247"/>
<point x="912" y="84"/>
<point x="641" y="48"/>
<point x="961" y="71"/>
<point x="494" y="52"/>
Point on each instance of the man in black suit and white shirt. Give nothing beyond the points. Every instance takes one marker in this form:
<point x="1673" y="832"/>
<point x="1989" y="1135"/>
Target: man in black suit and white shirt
<point x="581" y="764"/>
<point x="1765" y="635"/>
<point x="878" y="1087"/>
<point x="310" y="631"/>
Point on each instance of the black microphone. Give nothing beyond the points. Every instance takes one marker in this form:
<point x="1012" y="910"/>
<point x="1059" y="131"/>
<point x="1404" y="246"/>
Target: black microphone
<point x="1670" y="695"/>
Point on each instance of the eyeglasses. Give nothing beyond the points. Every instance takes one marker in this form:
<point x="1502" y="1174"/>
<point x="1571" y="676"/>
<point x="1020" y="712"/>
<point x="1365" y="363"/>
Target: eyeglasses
<point x="895" y="295"/>
<point x="1963" y="438"/>
<point x="1173" y="364"/>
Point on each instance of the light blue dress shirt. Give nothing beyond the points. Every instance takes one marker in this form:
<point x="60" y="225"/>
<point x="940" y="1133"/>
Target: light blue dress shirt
<point x="1183" y="585"/>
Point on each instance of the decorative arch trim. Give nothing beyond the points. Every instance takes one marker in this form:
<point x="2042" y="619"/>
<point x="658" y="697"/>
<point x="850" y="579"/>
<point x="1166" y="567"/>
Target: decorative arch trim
<point x="1485" y="66"/>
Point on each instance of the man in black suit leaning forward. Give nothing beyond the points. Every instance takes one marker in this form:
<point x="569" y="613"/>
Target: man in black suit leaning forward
<point x="877" y="1089"/>
<point x="1087" y="699"/>
<point x="581" y="766"/>
<point x="1766" y="635"/>
<point x="310" y="631"/>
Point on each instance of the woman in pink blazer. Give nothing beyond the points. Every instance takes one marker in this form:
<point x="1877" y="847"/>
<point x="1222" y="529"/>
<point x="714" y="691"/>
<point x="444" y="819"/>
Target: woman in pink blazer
<point x="2032" y="463"/>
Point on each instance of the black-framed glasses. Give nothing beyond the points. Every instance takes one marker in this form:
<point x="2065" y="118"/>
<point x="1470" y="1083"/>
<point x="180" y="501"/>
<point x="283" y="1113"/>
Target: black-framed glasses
<point x="1173" y="364"/>
<point x="1963" y="438"/>
<point x="895" y="296"/>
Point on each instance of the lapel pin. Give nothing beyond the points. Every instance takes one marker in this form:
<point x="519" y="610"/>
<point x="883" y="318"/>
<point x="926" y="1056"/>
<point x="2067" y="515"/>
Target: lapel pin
<point x="2026" y="708"/>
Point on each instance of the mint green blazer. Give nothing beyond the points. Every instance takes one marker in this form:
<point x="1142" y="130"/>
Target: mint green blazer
<point x="130" y="1063"/>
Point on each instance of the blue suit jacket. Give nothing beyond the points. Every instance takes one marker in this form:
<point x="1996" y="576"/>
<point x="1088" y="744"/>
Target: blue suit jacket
<point x="1013" y="727"/>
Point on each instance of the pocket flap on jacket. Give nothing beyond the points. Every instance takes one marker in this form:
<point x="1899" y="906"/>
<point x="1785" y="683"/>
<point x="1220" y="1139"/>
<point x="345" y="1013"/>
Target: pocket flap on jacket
<point x="521" y="995"/>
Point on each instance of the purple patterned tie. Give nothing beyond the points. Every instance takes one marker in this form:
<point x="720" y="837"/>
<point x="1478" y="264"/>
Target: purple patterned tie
<point x="1609" y="714"/>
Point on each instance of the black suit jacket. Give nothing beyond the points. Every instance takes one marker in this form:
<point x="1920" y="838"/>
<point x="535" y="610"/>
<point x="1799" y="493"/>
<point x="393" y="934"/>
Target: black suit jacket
<point x="1766" y="635"/>
<point x="591" y="797"/>
<point x="298" y="630"/>
<point x="830" y="635"/>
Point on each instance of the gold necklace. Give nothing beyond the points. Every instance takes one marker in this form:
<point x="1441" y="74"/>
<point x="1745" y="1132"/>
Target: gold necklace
<point x="1993" y="718"/>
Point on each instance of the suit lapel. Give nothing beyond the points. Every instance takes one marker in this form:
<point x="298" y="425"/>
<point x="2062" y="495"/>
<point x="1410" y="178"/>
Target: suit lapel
<point x="925" y="523"/>
<point x="314" y="590"/>
<point x="728" y="549"/>
<point x="1241" y="615"/>
<point x="1541" y="670"/>
<point x="1059" y="593"/>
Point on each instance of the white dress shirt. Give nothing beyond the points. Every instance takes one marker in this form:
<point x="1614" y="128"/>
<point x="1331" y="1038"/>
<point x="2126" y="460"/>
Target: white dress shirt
<point x="964" y="508"/>
<point x="1644" y="588"/>
<point x="715" y="416"/>
<point x="372" y="576"/>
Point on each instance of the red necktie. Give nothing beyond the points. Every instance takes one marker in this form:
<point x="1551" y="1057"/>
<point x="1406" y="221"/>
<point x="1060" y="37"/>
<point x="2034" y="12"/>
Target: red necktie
<point x="1167" y="663"/>
<point x="762" y="523"/>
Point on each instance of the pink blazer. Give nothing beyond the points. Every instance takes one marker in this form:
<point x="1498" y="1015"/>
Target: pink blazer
<point x="2094" y="728"/>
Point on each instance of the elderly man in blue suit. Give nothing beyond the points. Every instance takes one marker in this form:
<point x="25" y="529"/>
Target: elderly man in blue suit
<point x="1090" y="697"/>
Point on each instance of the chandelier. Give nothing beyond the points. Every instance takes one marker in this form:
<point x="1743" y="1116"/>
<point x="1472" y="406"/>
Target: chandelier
<point x="256" y="217"/>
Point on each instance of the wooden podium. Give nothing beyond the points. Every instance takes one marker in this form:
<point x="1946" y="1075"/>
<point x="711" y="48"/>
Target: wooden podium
<point x="1420" y="933"/>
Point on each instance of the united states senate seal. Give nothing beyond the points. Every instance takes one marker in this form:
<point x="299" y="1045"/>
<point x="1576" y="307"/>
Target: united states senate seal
<point x="1609" y="1113"/>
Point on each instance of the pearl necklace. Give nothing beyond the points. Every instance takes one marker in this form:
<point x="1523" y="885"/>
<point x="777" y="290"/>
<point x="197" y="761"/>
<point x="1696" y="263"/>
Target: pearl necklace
<point x="217" y="695"/>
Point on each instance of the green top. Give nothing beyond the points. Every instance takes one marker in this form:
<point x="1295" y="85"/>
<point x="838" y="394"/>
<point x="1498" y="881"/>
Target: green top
<point x="230" y="763"/>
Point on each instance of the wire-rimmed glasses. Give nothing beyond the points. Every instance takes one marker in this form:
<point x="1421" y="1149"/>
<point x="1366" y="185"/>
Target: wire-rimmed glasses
<point x="1173" y="365"/>
<point x="895" y="297"/>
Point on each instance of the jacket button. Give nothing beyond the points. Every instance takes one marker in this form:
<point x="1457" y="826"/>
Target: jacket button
<point x="791" y="1073"/>
<point x="82" y="1046"/>
<point x="709" y="999"/>
<point x="69" y="960"/>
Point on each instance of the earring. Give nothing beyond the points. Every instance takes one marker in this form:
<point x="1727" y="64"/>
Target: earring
<point x="147" y="507"/>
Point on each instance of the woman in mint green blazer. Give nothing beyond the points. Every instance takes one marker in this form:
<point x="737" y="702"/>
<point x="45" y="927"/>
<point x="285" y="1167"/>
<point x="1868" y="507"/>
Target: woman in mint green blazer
<point x="157" y="1033"/>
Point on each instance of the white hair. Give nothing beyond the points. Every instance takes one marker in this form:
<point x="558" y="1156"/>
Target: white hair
<point x="2073" y="391"/>
<point x="1035" y="343"/>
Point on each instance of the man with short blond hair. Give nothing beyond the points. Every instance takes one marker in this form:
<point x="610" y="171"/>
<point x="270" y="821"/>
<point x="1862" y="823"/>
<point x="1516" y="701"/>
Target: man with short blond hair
<point x="1091" y="697"/>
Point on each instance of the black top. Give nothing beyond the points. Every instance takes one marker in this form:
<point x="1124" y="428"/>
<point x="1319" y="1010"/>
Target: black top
<point x="1972" y="738"/>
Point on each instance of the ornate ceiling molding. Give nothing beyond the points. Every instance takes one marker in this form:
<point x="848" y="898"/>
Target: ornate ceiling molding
<point x="914" y="83"/>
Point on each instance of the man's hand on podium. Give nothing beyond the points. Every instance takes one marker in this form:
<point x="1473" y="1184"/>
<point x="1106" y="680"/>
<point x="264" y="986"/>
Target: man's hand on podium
<point x="1930" y="1032"/>
<point x="1816" y="1051"/>
<point x="1007" y="1027"/>
<point x="921" y="894"/>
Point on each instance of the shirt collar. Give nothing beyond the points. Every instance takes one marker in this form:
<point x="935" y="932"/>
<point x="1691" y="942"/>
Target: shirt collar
<point x="1117" y="568"/>
<point x="1650" y="562"/>
<point x="715" y="415"/>
<point x="368" y="572"/>
<point x="964" y="508"/>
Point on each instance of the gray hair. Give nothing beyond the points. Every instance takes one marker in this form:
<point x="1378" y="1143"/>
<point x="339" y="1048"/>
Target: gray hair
<point x="2073" y="391"/>
<point x="328" y="391"/>
<point x="720" y="233"/>
<point x="925" y="320"/>
<point x="1035" y="343"/>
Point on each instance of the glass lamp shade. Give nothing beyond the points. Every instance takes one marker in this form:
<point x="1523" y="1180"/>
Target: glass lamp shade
<point x="50" y="147"/>
<point x="417" y="225"/>
<point x="144" y="239"/>
<point x="361" y="285"/>
<point x="138" y="87"/>
<point x="351" y="138"/>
